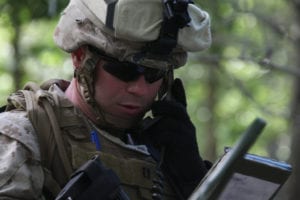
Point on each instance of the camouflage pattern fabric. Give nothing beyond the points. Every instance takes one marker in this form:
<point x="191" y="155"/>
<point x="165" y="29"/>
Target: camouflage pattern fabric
<point x="20" y="169"/>
<point x="22" y="176"/>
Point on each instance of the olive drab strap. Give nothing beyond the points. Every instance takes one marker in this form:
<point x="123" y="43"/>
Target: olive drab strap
<point x="36" y="115"/>
<point x="39" y="106"/>
<point x="44" y="100"/>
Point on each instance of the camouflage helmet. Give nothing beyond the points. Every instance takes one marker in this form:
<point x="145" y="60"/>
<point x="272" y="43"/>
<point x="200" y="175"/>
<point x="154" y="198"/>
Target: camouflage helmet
<point x="124" y="28"/>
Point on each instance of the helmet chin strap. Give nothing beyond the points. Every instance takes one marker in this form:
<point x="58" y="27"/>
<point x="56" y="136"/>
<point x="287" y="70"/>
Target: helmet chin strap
<point x="170" y="83"/>
<point x="85" y="77"/>
<point x="166" y="88"/>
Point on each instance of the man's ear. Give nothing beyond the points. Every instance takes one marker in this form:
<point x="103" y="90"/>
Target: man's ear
<point x="78" y="56"/>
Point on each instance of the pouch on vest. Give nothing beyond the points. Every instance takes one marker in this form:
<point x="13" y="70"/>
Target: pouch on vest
<point x="93" y="181"/>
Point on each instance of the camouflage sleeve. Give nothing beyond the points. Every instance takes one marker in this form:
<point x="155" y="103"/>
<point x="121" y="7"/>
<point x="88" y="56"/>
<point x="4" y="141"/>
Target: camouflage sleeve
<point x="20" y="170"/>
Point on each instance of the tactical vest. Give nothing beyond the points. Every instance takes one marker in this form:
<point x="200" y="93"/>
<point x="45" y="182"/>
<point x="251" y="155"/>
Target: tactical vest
<point x="65" y="143"/>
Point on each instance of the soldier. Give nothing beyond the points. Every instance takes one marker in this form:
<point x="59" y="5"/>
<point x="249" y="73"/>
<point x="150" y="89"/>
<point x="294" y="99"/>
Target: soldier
<point x="122" y="104"/>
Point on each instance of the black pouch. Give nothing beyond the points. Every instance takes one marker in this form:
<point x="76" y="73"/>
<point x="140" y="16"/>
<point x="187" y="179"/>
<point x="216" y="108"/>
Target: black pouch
<point x="92" y="181"/>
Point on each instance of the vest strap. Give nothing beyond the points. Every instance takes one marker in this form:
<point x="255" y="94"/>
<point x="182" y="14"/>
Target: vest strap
<point x="45" y="101"/>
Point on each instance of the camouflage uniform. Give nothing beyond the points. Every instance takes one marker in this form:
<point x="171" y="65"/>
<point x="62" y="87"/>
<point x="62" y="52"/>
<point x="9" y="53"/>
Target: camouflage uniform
<point x="23" y="174"/>
<point x="20" y="169"/>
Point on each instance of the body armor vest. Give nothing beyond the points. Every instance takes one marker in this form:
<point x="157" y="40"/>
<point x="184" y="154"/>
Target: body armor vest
<point x="72" y="146"/>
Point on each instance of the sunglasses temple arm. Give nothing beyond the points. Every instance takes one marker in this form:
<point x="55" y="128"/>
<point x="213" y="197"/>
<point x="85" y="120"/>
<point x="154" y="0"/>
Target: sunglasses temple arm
<point x="170" y="83"/>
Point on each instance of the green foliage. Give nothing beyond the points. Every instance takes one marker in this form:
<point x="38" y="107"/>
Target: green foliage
<point x="44" y="59"/>
<point x="244" y="34"/>
<point x="29" y="24"/>
<point x="27" y="10"/>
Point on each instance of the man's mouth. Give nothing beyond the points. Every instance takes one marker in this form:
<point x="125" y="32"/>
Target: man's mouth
<point x="131" y="109"/>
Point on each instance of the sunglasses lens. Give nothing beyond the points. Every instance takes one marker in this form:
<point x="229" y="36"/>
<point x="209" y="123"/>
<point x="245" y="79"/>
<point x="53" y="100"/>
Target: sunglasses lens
<point x="129" y="72"/>
<point x="151" y="75"/>
<point x="122" y="72"/>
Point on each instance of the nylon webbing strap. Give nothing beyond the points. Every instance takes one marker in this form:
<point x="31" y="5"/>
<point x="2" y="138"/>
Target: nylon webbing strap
<point x="40" y="117"/>
<point x="50" y="183"/>
<point x="176" y="17"/>
<point x="58" y="137"/>
<point x="39" y="120"/>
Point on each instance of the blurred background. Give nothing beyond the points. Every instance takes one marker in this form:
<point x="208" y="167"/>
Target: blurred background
<point x="251" y="70"/>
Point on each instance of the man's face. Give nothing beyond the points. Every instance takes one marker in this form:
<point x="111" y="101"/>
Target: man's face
<point x="123" y="103"/>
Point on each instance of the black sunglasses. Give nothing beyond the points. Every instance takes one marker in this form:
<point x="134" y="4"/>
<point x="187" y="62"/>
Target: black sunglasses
<point x="127" y="71"/>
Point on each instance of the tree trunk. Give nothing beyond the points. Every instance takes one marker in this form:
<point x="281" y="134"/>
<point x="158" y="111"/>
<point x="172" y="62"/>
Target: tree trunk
<point x="211" y="142"/>
<point x="294" y="181"/>
<point x="16" y="64"/>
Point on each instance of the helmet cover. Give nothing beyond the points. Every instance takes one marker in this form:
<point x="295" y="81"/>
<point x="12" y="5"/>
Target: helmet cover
<point x="124" y="31"/>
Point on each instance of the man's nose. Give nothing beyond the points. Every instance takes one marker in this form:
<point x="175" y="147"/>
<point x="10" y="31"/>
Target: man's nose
<point x="138" y="86"/>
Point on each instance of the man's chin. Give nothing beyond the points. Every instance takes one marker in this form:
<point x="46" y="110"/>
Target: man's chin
<point x="123" y="122"/>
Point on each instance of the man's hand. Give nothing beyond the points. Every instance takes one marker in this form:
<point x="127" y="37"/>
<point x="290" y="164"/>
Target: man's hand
<point x="175" y="132"/>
